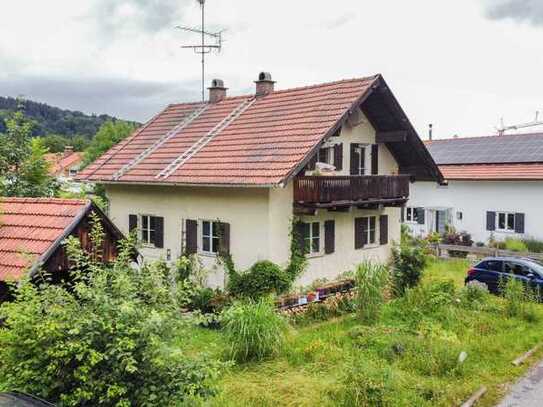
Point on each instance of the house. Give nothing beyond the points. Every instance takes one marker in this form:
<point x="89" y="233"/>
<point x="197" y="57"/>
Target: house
<point x="64" y="165"/>
<point x="233" y="173"/>
<point x="32" y="231"/>
<point x="494" y="188"/>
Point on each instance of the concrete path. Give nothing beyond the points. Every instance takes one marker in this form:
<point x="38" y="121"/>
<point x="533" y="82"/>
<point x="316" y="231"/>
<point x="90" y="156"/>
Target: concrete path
<point x="528" y="391"/>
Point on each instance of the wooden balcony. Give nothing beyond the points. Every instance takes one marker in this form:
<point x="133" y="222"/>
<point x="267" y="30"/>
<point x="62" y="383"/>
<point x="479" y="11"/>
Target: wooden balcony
<point x="345" y="191"/>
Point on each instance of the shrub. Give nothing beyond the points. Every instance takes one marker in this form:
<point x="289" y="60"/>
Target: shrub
<point x="408" y="263"/>
<point x="474" y="294"/>
<point x="254" y="330"/>
<point x="371" y="282"/>
<point x="262" y="279"/>
<point x="519" y="300"/>
<point x="515" y="245"/>
<point x="453" y="237"/>
<point x="533" y="245"/>
<point x="366" y="383"/>
<point x="100" y="342"/>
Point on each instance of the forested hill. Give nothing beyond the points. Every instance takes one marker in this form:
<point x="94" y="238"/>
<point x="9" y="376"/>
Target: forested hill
<point x="52" y="120"/>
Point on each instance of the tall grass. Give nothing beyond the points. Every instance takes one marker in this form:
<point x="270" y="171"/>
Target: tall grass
<point x="254" y="330"/>
<point x="372" y="280"/>
<point x="520" y="300"/>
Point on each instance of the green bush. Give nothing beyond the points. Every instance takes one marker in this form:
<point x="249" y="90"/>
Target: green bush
<point x="366" y="383"/>
<point x="102" y="341"/>
<point x="371" y="282"/>
<point x="515" y="245"/>
<point x="408" y="263"/>
<point x="254" y="330"/>
<point x="533" y="245"/>
<point x="262" y="279"/>
<point x="474" y="295"/>
<point x="519" y="300"/>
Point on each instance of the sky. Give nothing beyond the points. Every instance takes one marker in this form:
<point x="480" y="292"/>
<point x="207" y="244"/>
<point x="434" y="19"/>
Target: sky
<point x="461" y="65"/>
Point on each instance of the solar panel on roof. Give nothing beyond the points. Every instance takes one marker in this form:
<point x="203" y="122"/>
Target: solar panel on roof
<point x="522" y="148"/>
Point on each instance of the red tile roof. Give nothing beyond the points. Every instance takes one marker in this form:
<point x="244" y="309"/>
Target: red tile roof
<point x="262" y="146"/>
<point x="29" y="227"/>
<point x="59" y="162"/>
<point x="497" y="172"/>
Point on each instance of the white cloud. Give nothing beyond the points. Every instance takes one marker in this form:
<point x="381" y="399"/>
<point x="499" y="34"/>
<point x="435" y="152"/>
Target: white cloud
<point x="447" y="63"/>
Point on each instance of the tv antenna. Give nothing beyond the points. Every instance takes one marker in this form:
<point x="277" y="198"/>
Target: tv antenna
<point x="503" y="128"/>
<point x="203" y="48"/>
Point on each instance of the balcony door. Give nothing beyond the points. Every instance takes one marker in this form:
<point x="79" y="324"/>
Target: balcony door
<point x="358" y="159"/>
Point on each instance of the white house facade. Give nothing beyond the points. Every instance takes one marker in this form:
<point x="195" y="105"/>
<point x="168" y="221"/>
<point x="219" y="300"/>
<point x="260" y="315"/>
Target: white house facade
<point x="234" y="174"/>
<point x="494" y="188"/>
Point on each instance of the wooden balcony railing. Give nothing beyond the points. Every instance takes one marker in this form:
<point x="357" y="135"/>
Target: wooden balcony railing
<point x="321" y="191"/>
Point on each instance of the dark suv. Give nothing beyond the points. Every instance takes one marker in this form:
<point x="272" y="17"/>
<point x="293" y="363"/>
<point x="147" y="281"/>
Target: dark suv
<point x="494" y="269"/>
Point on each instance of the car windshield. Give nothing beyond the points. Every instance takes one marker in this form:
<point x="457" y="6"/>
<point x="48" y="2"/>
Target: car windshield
<point x="536" y="266"/>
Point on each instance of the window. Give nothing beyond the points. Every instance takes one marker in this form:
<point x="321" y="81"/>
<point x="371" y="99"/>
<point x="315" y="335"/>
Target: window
<point x="505" y="221"/>
<point x="72" y="172"/>
<point x="369" y="229"/>
<point x="459" y="215"/>
<point x="326" y="155"/>
<point x="312" y="237"/>
<point x="210" y="236"/>
<point x="412" y="214"/>
<point x="361" y="160"/>
<point x="148" y="229"/>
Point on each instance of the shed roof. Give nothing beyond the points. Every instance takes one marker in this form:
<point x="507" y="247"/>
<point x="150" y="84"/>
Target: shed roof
<point x="30" y="227"/>
<point x="255" y="141"/>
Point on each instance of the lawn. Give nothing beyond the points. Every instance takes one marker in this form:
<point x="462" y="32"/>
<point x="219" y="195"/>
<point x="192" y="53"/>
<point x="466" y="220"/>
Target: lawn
<point x="407" y="359"/>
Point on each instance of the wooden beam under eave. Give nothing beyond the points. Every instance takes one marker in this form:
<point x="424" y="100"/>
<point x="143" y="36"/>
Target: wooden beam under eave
<point x="301" y="211"/>
<point x="398" y="136"/>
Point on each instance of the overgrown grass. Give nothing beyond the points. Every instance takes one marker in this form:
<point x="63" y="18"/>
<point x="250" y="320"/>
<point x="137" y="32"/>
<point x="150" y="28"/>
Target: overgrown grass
<point x="401" y="360"/>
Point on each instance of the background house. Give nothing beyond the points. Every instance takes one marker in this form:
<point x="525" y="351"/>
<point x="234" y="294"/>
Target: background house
<point x="32" y="231"/>
<point x="495" y="188"/>
<point x="232" y="174"/>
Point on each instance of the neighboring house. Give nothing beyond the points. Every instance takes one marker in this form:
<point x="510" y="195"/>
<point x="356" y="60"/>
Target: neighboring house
<point x="495" y="188"/>
<point x="65" y="166"/>
<point x="32" y="231"/>
<point x="234" y="172"/>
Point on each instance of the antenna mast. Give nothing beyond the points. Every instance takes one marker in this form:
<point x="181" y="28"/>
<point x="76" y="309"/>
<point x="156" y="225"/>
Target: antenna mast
<point x="503" y="128"/>
<point x="203" y="48"/>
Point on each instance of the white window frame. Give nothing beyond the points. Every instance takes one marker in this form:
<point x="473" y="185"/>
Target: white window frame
<point x="507" y="229"/>
<point x="363" y="152"/>
<point x="213" y="234"/>
<point x="72" y="172"/>
<point x="312" y="237"/>
<point x="369" y="230"/>
<point x="410" y="213"/>
<point x="146" y="231"/>
<point x="329" y="155"/>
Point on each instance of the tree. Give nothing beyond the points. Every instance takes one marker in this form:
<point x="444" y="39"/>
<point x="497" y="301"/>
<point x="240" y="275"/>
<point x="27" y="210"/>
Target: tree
<point x="105" y="340"/>
<point x="23" y="168"/>
<point x="109" y="134"/>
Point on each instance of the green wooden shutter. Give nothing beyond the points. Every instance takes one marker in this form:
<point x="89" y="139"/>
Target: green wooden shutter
<point x="159" y="232"/>
<point x="338" y="157"/>
<point x="491" y="221"/>
<point x="374" y="159"/>
<point x="383" y="229"/>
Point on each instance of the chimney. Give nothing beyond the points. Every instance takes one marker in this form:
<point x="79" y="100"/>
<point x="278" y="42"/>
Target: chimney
<point x="68" y="150"/>
<point x="217" y="91"/>
<point x="430" y="128"/>
<point x="264" y="84"/>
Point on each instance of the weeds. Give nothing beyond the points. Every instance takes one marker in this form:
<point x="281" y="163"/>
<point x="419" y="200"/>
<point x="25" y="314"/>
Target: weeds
<point x="254" y="330"/>
<point x="371" y="281"/>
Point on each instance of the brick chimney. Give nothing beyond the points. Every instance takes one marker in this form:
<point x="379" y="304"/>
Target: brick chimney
<point x="264" y="84"/>
<point x="217" y="91"/>
<point x="68" y="150"/>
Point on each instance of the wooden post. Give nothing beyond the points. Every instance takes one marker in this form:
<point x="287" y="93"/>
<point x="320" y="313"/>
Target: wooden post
<point x="475" y="397"/>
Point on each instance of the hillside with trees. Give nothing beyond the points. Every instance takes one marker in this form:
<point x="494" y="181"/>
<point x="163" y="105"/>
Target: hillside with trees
<point x="58" y="127"/>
